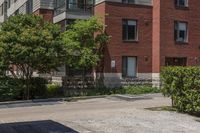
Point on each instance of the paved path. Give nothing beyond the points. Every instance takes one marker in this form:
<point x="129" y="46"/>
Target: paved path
<point x="101" y="115"/>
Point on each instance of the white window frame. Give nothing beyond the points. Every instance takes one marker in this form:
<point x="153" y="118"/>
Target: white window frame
<point x="128" y="23"/>
<point x="177" y="28"/>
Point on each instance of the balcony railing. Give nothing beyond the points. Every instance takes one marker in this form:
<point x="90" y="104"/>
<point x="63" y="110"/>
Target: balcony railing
<point x="74" y="7"/>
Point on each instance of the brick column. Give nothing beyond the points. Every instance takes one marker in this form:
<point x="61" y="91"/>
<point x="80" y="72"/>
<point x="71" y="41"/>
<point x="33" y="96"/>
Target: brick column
<point x="156" y="43"/>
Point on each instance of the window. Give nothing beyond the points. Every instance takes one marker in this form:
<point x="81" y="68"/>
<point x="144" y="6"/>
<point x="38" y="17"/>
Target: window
<point x="129" y="66"/>
<point x="128" y="1"/>
<point x="29" y="6"/>
<point x="1" y="10"/>
<point x="130" y="30"/>
<point x="60" y="6"/>
<point x="198" y="61"/>
<point x="181" y="3"/>
<point x="9" y="3"/>
<point x="181" y="32"/>
<point x="175" y="61"/>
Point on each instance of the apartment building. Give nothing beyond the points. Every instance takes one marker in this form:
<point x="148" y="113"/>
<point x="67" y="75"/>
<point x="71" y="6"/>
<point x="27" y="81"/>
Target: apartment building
<point x="66" y="11"/>
<point x="145" y="34"/>
<point x="149" y="34"/>
<point x="62" y="12"/>
<point x="44" y="8"/>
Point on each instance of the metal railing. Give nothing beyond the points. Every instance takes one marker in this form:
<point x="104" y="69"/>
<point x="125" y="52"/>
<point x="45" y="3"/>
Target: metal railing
<point x="75" y="7"/>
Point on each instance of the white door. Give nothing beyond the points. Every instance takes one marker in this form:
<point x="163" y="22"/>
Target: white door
<point x="131" y="66"/>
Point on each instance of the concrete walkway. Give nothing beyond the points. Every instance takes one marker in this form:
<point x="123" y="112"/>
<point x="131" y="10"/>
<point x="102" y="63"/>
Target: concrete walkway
<point x="100" y="115"/>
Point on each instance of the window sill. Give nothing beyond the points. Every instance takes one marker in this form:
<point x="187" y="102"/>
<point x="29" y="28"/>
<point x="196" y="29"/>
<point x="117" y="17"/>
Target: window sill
<point x="181" y="43"/>
<point x="130" y="41"/>
<point x="182" y="7"/>
<point x="127" y="77"/>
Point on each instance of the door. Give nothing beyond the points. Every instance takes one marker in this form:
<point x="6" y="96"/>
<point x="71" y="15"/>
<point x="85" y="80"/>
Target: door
<point x="131" y="70"/>
<point x="129" y="67"/>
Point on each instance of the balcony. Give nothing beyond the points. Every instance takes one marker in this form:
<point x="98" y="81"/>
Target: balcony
<point x="72" y="9"/>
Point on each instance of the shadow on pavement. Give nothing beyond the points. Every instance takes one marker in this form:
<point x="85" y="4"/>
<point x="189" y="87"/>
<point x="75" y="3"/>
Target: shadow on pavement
<point x="28" y="104"/>
<point x="46" y="126"/>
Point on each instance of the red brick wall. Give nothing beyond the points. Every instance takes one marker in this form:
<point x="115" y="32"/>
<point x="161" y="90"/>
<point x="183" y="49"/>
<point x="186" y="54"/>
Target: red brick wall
<point x="156" y="37"/>
<point x="99" y="11"/>
<point x="46" y="14"/>
<point x="114" y="13"/>
<point x="169" y="48"/>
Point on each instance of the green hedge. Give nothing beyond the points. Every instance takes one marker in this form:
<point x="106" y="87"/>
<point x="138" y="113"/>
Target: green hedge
<point x="182" y="84"/>
<point x="14" y="89"/>
<point x="38" y="88"/>
<point x="140" y="89"/>
<point x="132" y="90"/>
<point x="10" y="89"/>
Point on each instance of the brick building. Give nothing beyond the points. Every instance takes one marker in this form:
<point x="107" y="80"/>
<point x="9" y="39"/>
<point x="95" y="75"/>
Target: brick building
<point x="148" y="34"/>
<point x="8" y="8"/>
<point x="145" y="34"/>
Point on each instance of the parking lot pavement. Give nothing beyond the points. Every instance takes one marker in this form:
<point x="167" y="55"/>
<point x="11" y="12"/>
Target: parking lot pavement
<point x="99" y="115"/>
<point x="46" y="126"/>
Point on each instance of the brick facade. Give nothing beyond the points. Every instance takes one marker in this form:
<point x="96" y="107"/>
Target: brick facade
<point x="47" y="14"/>
<point x="155" y="35"/>
<point x="191" y="15"/>
<point x="116" y="48"/>
<point x="155" y="31"/>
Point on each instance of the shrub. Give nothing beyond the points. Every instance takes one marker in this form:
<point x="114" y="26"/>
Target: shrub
<point x="140" y="90"/>
<point x="182" y="84"/>
<point x="38" y="87"/>
<point x="53" y="90"/>
<point x="10" y="88"/>
<point x="133" y="90"/>
<point x="14" y="89"/>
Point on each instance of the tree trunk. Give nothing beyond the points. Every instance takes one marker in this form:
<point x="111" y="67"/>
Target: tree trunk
<point x="172" y="101"/>
<point x="27" y="80"/>
<point x="83" y="78"/>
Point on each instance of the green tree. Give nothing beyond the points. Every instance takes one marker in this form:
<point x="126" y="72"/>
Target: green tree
<point x="84" y="41"/>
<point x="31" y="44"/>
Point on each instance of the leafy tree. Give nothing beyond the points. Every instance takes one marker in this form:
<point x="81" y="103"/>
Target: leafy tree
<point x="84" y="41"/>
<point x="30" y="44"/>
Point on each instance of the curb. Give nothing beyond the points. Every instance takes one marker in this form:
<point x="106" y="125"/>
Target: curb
<point x="50" y="100"/>
<point x="83" y="98"/>
<point x="32" y="101"/>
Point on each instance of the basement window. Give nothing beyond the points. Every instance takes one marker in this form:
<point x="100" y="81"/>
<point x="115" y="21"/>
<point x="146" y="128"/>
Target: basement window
<point x="176" y="61"/>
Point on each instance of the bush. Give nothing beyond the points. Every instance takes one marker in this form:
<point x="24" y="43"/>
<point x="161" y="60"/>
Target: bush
<point x="133" y="90"/>
<point x="54" y="90"/>
<point x="182" y="84"/>
<point x="38" y="87"/>
<point x="10" y="88"/>
<point x="140" y="90"/>
<point x="14" y="89"/>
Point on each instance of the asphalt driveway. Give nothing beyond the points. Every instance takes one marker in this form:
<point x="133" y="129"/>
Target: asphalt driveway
<point x="100" y="115"/>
